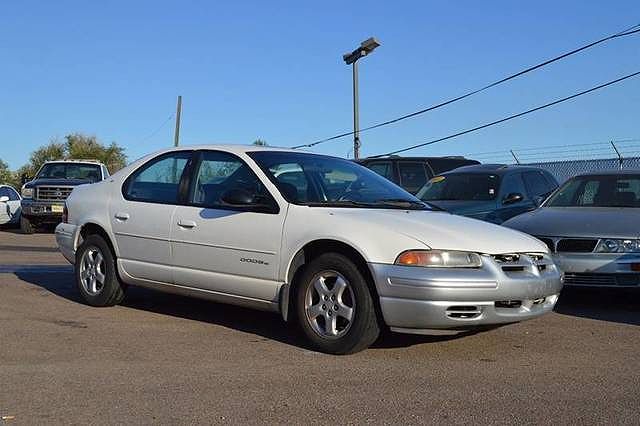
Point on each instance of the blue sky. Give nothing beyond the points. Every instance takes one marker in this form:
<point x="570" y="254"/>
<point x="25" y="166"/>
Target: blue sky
<point x="249" y="69"/>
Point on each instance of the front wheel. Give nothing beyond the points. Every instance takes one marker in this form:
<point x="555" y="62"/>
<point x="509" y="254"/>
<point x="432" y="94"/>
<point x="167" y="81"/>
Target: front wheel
<point x="334" y="306"/>
<point x="96" y="275"/>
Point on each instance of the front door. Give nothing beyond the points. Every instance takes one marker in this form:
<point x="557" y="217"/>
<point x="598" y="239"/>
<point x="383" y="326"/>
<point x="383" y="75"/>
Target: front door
<point x="141" y="217"/>
<point x="216" y="247"/>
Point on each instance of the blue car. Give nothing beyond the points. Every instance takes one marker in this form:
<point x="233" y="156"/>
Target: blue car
<point x="490" y="192"/>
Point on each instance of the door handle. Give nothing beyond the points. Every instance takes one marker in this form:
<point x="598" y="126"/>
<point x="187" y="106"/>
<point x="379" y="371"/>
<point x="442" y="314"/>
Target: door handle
<point x="121" y="216"/>
<point x="187" y="224"/>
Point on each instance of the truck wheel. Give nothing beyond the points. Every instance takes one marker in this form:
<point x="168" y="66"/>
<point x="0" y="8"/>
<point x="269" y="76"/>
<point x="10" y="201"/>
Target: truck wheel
<point x="26" y="226"/>
<point x="334" y="306"/>
<point x="96" y="275"/>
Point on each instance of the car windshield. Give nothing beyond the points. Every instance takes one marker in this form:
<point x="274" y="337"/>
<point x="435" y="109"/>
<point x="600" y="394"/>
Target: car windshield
<point x="460" y="187"/>
<point x="323" y="181"/>
<point x="70" y="171"/>
<point x="598" y="191"/>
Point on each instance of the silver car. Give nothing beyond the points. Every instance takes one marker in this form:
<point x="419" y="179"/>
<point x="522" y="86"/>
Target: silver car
<point x="592" y="227"/>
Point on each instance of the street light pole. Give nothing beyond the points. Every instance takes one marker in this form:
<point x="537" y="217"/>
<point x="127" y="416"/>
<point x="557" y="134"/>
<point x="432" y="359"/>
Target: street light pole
<point x="365" y="48"/>
<point x="356" y="113"/>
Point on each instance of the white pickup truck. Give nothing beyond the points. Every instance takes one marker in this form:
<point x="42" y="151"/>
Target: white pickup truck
<point x="323" y="241"/>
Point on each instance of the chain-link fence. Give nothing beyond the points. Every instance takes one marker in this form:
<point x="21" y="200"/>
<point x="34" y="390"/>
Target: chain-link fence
<point x="563" y="170"/>
<point x="565" y="161"/>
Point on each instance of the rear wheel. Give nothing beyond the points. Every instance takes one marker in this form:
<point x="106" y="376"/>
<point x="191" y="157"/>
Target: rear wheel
<point x="96" y="275"/>
<point x="26" y="226"/>
<point x="334" y="306"/>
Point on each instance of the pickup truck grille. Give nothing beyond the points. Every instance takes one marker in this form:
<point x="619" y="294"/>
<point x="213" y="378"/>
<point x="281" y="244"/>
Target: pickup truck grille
<point x="53" y="193"/>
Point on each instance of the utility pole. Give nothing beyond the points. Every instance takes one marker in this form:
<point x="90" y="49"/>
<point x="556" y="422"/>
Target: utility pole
<point x="176" y="139"/>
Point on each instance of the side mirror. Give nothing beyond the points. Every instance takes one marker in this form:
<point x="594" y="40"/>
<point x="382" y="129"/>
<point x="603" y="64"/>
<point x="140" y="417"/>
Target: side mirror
<point x="238" y="198"/>
<point x="4" y="199"/>
<point x="512" y="198"/>
<point x="24" y="178"/>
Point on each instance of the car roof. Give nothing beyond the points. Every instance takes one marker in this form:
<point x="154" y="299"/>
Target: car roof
<point x="398" y="158"/>
<point x="236" y="149"/>
<point x="88" y="161"/>
<point x="497" y="169"/>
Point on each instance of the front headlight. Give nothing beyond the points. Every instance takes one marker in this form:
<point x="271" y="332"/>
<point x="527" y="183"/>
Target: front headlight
<point x="439" y="259"/>
<point x="612" y="245"/>
<point x="27" y="192"/>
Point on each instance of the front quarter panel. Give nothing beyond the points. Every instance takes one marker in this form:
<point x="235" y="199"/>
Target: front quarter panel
<point x="376" y="244"/>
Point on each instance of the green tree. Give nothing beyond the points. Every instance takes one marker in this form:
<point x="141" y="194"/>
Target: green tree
<point x="79" y="147"/>
<point x="260" y="142"/>
<point x="7" y="177"/>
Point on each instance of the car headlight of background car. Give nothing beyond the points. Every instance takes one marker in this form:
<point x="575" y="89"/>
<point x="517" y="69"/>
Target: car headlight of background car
<point x="612" y="245"/>
<point x="27" y="192"/>
<point x="439" y="259"/>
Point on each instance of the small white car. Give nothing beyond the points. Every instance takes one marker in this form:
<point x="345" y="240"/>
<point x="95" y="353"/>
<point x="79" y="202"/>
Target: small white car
<point x="321" y="240"/>
<point x="9" y="205"/>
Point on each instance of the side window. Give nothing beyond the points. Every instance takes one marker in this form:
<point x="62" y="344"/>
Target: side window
<point x="412" y="176"/>
<point x="292" y="182"/>
<point x="219" y="172"/>
<point x="536" y="184"/>
<point x="158" y="180"/>
<point x="383" y="168"/>
<point x="105" y="172"/>
<point x="512" y="184"/>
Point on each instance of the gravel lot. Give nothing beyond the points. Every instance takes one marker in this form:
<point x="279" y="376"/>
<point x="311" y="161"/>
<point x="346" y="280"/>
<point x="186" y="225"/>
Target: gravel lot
<point x="168" y="359"/>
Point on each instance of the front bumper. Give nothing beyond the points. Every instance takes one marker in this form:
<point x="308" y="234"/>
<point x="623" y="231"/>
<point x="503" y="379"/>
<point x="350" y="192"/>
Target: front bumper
<point x="599" y="269"/>
<point x="44" y="210"/>
<point x="414" y="299"/>
<point x="67" y="240"/>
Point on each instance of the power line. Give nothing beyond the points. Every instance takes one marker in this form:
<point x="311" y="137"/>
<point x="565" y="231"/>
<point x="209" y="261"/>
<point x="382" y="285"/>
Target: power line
<point x="152" y="134"/>
<point x="511" y="117"/>
<point x="631" y="30"/>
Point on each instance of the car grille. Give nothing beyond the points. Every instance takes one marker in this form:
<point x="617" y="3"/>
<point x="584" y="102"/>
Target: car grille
<point x="576" y="245"/>
<point x="53" y="193"/>
<point x="570" y="245"/>
<point x="587" y="279"/>
<point x="521" y="262"/>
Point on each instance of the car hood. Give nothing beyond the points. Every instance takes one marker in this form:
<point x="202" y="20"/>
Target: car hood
<point x="612" y="222"/>
<point x="56" y="182"/>
<point x="442" y="230"/>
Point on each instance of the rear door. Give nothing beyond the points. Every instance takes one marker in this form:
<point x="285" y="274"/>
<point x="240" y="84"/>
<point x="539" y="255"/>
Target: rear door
<point x="141" y="217"/>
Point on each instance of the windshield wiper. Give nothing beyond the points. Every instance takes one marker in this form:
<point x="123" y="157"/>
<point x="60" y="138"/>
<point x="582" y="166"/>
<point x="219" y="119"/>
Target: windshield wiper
<point x="402" y="203"/>
<point x="339" y="203"/>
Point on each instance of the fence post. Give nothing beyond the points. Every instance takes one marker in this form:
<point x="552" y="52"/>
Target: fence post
<point x="620" y="159"/>
<point x="514" y="156"/>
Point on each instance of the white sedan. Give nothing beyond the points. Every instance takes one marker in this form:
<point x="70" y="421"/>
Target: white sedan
<point x="9" y="205"/>
<point x="321" y="240"/>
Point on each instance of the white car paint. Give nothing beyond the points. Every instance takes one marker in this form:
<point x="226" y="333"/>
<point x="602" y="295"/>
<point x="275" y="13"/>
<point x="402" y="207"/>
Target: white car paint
<point x="245" y="257"/>
<point x="9" y="208"/>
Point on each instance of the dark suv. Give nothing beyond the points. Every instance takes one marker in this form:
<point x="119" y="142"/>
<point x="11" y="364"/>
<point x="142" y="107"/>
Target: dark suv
<point x="412" y="173"/>
<point x="491" y="192"/>
<point x="43" y="198"/>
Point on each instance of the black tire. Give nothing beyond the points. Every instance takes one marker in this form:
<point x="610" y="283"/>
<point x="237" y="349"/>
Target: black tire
<point x="364" y="327"/>
<point x="112" y="290"/>
<point x="26" y="226"/>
